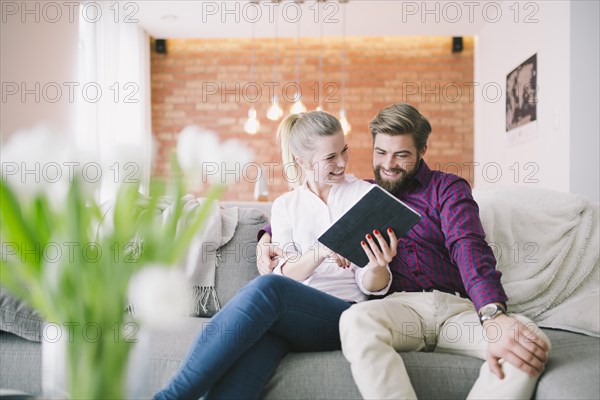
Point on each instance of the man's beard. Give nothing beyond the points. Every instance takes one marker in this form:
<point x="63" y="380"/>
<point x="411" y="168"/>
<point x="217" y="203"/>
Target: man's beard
<point x="396" y="186"/>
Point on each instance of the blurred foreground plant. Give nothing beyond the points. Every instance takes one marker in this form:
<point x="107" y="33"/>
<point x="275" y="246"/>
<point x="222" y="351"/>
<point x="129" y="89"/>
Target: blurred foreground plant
<point x="61" y="255"/>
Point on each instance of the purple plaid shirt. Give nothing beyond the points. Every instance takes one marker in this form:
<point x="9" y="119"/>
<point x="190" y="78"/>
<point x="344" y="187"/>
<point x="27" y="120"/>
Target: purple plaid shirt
<point x="446" y="250"/>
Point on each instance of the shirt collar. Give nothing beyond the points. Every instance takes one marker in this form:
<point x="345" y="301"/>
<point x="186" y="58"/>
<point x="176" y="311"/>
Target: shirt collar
<point x="423" y="175"/>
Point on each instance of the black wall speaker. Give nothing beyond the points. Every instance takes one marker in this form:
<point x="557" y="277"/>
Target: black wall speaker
<point x="457" y="44"/>
<point x="161" y="46"/>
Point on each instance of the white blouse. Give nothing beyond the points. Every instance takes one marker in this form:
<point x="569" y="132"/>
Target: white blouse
<point x="299" y="217"/>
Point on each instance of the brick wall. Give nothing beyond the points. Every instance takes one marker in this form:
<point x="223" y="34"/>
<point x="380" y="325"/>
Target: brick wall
<point x="419" y="70"/>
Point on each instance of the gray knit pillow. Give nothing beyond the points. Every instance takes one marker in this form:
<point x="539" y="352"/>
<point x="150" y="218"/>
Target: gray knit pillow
<point x="18" y="318"/>
<point x="237" y="259"/>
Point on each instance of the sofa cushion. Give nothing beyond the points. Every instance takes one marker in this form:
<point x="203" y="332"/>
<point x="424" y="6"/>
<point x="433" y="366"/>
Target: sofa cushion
<point x="18" y="318"/>
<point x="168" y="348"/>
<point x="237" y="264"/>
<point x="327" y="375"/>
<point x="573" y="369"/>
<point x="20" y="364"/>
<point x="571" y="373"/>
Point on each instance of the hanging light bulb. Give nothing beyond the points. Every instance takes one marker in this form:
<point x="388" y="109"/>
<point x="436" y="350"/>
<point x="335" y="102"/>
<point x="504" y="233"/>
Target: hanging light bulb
<point x="275" y="111"/>
<point x="252" y="124"/>
<point x="298" y="107"/>
<point x="346" y="127"/>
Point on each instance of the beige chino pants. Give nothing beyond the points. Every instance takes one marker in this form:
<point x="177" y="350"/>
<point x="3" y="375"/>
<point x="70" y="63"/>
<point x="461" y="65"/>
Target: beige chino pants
<point x="373" y="331"/>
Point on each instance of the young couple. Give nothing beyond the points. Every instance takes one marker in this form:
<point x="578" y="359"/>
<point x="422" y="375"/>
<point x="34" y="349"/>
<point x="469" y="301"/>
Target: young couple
<point x="441" y="276"/>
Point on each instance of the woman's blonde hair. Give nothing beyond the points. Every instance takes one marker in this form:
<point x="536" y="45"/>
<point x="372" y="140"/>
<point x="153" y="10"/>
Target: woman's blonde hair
<point x="296" y="136"/>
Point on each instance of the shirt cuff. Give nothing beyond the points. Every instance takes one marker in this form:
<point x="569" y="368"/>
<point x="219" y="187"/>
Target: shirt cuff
<point x="484" y="293"/>
<point x="359" y="281"/>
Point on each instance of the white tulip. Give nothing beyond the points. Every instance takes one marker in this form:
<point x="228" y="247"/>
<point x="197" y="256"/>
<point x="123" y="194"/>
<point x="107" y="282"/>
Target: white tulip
<point x="203" y="159"/>
<point x="158" y="296"/>
<point x="38" y="161"/>
<point x="123" y="165"/>
<point x="235" y="158"/>
<point x="195" y="146"/>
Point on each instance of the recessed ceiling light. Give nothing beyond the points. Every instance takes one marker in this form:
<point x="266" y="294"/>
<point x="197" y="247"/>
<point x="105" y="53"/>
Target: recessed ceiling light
<point x="169" y="17"/>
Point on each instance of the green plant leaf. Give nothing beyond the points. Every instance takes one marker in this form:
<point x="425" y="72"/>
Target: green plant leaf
<point x="125" y="213"/>
<point x="191" y="228"/>
<point x="15" y="228"/>
<point x="43" y="220"/>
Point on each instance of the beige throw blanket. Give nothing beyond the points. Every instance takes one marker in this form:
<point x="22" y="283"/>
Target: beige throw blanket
<point x="546" y="244"/>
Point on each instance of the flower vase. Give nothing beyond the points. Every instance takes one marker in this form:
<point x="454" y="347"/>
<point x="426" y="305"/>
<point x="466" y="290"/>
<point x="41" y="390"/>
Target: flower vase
<point x="86" y="364"/>
<point x="54" y="384"/>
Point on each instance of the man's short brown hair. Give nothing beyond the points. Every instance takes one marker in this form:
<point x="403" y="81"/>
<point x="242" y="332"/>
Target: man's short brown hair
<point x="402" y="119"/>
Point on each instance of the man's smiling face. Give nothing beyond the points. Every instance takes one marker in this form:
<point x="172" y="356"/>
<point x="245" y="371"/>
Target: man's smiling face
<point x="395" y="161"/>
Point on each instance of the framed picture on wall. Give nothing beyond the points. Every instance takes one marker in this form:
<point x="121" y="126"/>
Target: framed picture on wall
<point x="521" y="99"/>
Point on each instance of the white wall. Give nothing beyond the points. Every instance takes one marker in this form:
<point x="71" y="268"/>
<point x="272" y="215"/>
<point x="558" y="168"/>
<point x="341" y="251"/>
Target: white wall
<point x="501" y="47"/>
<point x="585" y="93"/>
<point x="36" y="51"/>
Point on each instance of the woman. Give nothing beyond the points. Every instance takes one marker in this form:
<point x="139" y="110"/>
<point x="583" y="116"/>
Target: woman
<point x="236" y="353"/>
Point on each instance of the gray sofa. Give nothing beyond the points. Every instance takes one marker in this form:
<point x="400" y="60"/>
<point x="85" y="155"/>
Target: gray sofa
<point x="572" y="372"/>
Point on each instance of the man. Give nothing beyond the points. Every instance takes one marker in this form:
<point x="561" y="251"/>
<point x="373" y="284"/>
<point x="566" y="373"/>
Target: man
<point x="446" y="294"/>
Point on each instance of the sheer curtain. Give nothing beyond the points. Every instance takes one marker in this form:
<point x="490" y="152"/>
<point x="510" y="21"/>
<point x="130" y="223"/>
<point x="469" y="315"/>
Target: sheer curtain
<point x="113" y="119"/>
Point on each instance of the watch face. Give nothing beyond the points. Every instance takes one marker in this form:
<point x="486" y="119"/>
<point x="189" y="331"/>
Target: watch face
<point x="489" y="310"/>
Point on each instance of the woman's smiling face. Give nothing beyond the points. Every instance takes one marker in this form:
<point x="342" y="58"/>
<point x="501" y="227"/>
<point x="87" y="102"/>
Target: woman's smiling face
<point x="327" y="164"/>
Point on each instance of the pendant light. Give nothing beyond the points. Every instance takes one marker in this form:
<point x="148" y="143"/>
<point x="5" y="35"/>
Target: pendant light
<point x="275" y="111"/>
<point x="320" y="88"/>
<point x="298" y="107"/>
<point x="346" y="127"/>
<point x="252" y="124"/>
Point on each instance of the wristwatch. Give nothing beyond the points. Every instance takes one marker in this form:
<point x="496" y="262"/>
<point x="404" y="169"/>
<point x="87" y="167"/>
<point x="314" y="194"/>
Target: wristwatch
<point x="490" y="311"/>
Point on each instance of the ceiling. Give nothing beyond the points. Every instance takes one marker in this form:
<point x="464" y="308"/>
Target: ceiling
<point x="234" y="19"/>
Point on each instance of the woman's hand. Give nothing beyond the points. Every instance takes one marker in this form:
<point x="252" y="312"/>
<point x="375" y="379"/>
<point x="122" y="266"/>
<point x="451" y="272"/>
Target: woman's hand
<point x="377" y="276"/>
<point x="300" y="268"/>
<point x="333" y="256"/>
<point x="266" y="253"/>
<point x="380" y="258"/>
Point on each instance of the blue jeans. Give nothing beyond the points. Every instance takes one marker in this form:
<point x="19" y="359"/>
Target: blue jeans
<point x="236" y="353"/>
